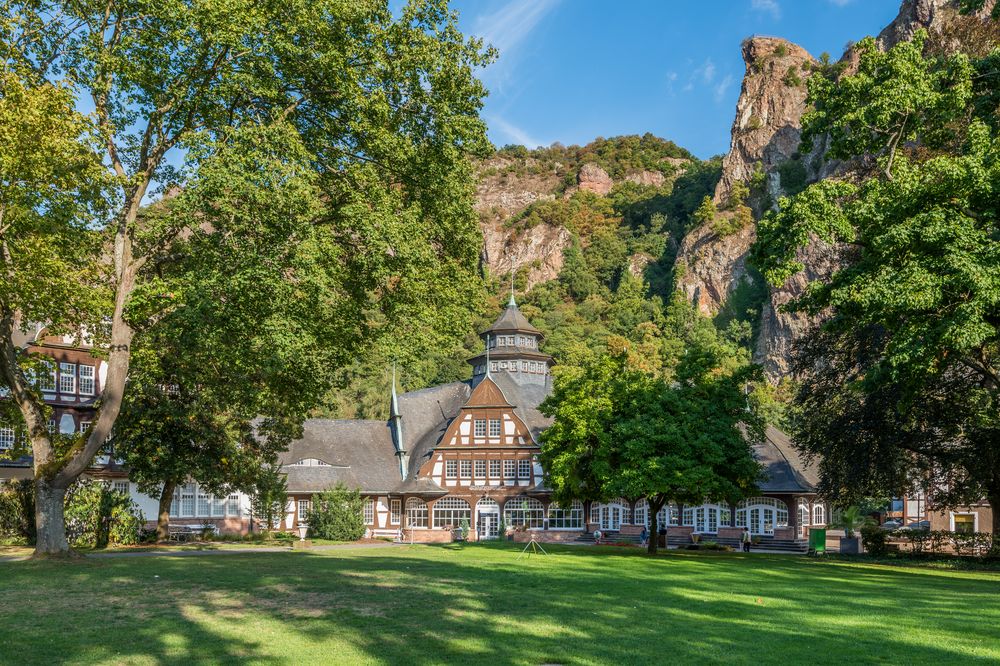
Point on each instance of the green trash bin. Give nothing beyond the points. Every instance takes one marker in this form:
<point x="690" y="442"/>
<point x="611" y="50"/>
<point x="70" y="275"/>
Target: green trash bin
<point x="817" y="540"/>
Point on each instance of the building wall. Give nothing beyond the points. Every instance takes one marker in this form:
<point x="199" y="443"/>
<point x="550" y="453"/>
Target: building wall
<point x="944" y="519"/>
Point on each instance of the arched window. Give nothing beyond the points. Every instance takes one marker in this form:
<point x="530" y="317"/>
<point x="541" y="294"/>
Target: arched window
<point x="641" y="512"/>
<point x="819" y="514"/>
<point x="566" y="519"/>
<point x="416" y="513"/>
<point x="803" y="515"/>
<point x="667" y="515"/>
<point x="707" y="517"/>
<point x="626" y="507"/>
<point x="525" y="511"/>
<point x="449" y="512"/>
<point x="762" y="515"/>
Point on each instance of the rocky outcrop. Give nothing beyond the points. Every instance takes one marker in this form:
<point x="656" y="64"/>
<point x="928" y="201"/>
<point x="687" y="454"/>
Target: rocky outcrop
<point x="650" y="178"/>
<point x="537" y="250"/>
<point x="591" y="178"/>
<point x="766" y="132"/>
<point x="505" y="188"/>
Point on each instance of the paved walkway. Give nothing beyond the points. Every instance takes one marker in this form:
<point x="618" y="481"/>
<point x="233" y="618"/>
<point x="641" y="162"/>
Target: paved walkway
<point x="215" y="551"/>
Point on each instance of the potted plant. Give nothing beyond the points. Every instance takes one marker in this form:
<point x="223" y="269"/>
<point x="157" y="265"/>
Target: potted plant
<point x="851" y="520"/>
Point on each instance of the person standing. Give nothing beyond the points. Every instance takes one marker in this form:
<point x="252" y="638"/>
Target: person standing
<point x="746" y="540"/>
<point x="643" y="536"/>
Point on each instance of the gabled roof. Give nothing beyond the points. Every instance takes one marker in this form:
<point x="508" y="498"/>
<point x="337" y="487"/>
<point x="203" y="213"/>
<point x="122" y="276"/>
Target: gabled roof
<point x="487" y="394"/>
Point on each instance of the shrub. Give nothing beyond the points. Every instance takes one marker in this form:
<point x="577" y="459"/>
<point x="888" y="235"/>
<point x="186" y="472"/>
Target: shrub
<point x="17" y="510"/>
<point x="875" y="540"/>
<point x="337" y="514"/>
<point x="96" y="515"/>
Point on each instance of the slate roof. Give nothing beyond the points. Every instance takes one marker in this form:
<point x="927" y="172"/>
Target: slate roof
<point x="360" y="454"/>
<point x="785" y="470"/>
<point x="511" y="319"/>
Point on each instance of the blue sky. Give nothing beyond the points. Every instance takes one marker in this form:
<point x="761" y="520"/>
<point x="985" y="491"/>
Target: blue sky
<point x="573" y="70"/>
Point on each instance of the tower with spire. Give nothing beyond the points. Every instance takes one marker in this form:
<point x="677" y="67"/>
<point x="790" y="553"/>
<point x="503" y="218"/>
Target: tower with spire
<point x="512" y="348"/>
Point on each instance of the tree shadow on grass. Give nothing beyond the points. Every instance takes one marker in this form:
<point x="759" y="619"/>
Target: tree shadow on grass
<point x="485" y="604"/>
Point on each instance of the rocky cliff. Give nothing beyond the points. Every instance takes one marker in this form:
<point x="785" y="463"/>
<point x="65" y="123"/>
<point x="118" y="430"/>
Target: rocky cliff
<point x="765" y="137"/>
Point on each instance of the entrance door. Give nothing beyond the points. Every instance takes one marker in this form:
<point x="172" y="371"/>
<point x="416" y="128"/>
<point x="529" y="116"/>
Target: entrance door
<point x="611" y="517"/>
<point x="760" y="520"/>
<point x="489" y="524"/>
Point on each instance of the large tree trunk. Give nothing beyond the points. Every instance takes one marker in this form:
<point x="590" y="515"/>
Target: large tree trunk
<point x="653" y="544"/>
<point x="163" y="514"/>
<point x="50" y="523"/>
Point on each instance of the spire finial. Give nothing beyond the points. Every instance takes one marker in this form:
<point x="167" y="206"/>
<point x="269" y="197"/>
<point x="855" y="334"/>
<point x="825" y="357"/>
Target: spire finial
<point x="394" y="398"/>
<point x="487" y="354"/>
<point x="512" y="303"/>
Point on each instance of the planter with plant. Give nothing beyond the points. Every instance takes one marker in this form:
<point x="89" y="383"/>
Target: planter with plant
<point x="851" y="520"/>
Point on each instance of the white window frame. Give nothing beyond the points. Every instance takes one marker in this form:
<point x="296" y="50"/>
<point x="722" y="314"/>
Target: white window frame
<point x="951" y="519"/>
<point x="84" y="425"/>
<point x="7" y="438"/>
<point x="395" y="511"/>
<point x="510" y="469"/>
<point x="120" y="487"/>
<point x="465" y="469"/>
<point x="416" y="514"/>
<point x="819" y="514"/>
<point x="449" y="512"/>
<point x="524" y="511"/>
<point x="566" y="519"/>
<point x="67" y="371"/>
<point x="496" y="469"/>
<point x="496" y="427"/>
<point x="524" y="469"/>
<point x="480" y="469"/>
<point x="233" y="505"/>
<point x="49" y="372"/>
<point x="451" y="469"/>
<point x="479" y="428"/>
<point x="87" y="379"/>
<point x="368" y="511"/>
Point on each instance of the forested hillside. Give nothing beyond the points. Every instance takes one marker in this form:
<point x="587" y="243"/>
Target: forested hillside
<point x="620" y="208"/>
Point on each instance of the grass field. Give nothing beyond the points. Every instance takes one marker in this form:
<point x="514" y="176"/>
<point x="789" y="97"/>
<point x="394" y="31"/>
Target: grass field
<point x="481" y="604"/>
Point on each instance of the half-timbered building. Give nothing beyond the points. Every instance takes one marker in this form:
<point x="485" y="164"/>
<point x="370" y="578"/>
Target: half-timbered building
<point x="464" y="457"/>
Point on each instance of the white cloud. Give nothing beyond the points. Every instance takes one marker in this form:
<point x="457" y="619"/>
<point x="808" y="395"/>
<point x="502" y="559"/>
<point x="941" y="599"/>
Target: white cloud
<point x="720" y="89"/>
<point x="513" y="133"/>
<point x="508" y="26"/>
<point x="770" y="6"/>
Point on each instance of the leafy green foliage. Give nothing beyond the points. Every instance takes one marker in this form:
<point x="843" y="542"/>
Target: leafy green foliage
<point x="672" y="429"/>
<point x="336" y="514"/>
<point x="903" y="376"/>
<point x="17" y="510"/>
<point x="268" y="495"/>
<point x="97" y="516"/>
<point x="377" y="113"/>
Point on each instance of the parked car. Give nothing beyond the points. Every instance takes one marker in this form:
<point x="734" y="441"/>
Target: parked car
<point x="892" y="524"/>
<point x="919" y="525"/>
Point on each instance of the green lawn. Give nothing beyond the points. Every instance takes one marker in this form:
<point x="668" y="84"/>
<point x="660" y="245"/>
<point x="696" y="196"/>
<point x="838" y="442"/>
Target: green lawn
<point x="483" y="605"/>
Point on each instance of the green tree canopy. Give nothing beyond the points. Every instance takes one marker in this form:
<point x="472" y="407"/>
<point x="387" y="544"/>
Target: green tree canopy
<point x="680" y="433"/>
<point x="382" y="110"/>
<point x="904" y="375"/>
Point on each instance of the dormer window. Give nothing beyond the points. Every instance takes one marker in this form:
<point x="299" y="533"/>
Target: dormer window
<point x="493" y="366"/>
<point x="479" y="428"/>
<point x="310" y="462"/>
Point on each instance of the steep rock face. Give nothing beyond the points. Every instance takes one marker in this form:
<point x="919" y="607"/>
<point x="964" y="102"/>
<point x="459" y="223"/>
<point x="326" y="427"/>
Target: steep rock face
<point x="591" y="178"/>
<point x="538" y="249"/>
<point x="766" y="131"/>
<point x="769" y="110"/>
<point x="505" y="188"/>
